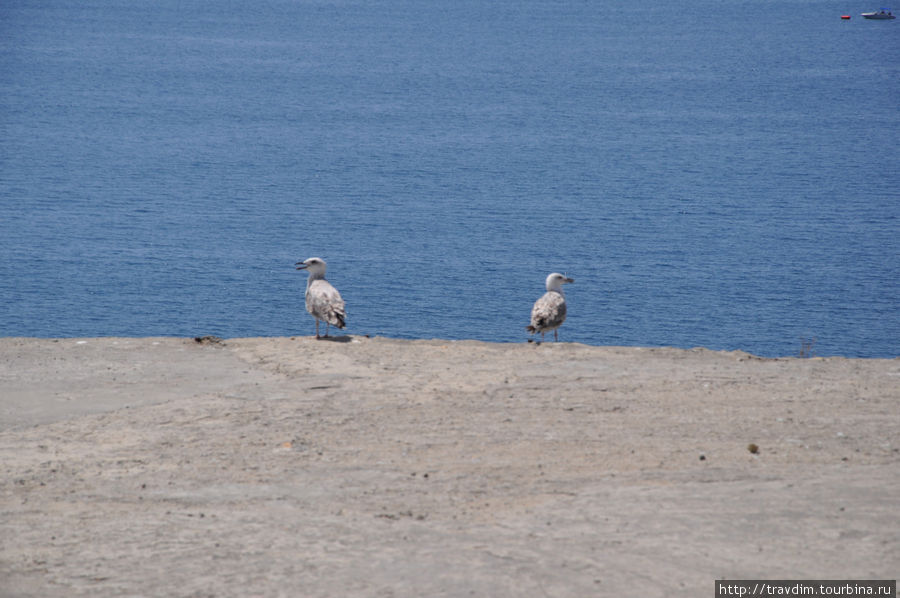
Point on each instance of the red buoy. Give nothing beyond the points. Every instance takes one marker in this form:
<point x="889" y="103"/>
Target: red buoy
<point x="845" y="17"/>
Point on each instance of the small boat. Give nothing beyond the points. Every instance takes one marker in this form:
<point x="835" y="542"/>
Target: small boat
<point x="884" y="13"/>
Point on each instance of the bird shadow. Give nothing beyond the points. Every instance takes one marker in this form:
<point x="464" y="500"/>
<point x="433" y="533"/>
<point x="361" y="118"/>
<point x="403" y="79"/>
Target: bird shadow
<point x="336" y="339"/>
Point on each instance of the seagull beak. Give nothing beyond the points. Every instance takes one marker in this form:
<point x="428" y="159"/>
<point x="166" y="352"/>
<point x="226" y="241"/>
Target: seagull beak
<point x="301" y="265"/>
<point x="570" y="279"/>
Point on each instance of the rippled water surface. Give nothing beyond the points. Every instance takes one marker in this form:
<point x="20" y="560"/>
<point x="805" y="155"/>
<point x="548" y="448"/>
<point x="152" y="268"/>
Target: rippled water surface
<point x="712" y="174"/>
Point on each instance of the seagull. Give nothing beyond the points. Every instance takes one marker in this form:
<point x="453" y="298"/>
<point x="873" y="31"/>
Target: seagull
<point x="322" y="300"/>
<point x="549" y="312"/>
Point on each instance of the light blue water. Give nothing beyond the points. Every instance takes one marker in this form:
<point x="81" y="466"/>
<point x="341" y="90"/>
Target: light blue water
<point x="719" y="174"/>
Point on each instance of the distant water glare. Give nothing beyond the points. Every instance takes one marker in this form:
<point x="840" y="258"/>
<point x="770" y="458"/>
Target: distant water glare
<point x="720" y="174"/>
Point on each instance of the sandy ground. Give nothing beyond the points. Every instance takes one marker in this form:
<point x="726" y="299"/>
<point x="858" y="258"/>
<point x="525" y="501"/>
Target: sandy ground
<point x="378" y="467"/>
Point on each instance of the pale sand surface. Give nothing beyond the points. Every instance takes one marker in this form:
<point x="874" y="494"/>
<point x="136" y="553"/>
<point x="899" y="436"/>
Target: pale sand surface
<point x="378" y="467"/>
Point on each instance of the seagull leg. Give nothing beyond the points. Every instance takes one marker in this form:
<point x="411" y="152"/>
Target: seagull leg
<point x="317" y="327"/>
<point x="327" y="328"/>
<point x="556" y="335"/>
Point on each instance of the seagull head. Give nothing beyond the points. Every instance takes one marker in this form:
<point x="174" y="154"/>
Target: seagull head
<point x="314" y="265"/>
<point x="556" y="280"/>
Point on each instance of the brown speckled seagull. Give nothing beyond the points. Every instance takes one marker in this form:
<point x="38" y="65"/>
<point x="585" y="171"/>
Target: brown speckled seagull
<point x="323" y="301"/>
<point x="549" y="312"/>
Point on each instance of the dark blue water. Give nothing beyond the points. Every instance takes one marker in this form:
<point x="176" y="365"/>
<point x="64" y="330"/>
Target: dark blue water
<point x="719" y="174"/>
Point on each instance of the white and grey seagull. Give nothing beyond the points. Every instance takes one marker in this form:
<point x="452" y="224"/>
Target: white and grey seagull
<point x="323" y="301"/>
<point x="549" y="312"/>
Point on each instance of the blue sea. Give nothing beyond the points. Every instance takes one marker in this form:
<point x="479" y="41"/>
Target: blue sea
<point x="720" y="174"/>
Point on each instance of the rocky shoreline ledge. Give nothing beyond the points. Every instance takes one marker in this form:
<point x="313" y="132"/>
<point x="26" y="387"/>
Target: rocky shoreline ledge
<point x="380" y="467"/>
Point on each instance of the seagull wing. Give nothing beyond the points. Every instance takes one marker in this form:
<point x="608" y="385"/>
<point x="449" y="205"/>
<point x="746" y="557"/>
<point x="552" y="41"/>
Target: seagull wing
<point x="325" y="303"/>
<point x="549" y="312"/>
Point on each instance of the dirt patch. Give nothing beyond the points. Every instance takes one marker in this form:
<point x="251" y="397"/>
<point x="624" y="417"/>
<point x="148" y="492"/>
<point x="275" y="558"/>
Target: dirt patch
<point x="377" y="467"/>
